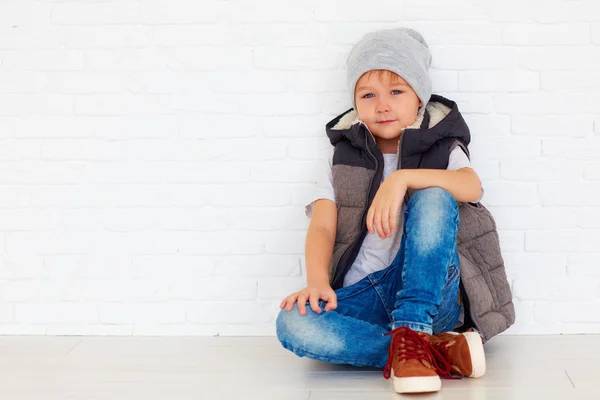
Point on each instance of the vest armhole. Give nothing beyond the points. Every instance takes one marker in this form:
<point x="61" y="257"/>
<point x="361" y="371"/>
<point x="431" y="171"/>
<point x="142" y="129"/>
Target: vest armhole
<point x="457" y="143"/>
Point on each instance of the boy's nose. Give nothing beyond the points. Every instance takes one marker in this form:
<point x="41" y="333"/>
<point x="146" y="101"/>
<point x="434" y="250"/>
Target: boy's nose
<point x="383" y="106"/>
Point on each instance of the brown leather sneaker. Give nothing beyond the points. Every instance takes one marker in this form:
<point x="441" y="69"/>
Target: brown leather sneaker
<point x="465" y="351"/>
<point x="414" y="362"/>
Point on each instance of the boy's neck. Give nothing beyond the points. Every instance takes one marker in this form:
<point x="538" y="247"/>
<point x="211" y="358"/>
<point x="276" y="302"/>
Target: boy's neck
<point x="387" y="146"/>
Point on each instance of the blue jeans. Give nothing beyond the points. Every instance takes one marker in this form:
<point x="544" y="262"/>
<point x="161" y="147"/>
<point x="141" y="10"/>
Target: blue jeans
<point x="420" y="289"/>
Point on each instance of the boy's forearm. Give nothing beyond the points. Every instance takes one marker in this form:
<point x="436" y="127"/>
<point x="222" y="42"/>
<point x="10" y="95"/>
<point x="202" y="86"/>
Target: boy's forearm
<point x="463" y="184"/>
<point x="318" y="253"/>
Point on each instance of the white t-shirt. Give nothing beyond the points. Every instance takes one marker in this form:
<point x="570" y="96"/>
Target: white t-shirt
<point x="375" y="253"/>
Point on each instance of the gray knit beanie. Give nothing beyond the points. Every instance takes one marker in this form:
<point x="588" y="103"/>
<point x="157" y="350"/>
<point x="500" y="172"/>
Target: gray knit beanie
<point x="402" y="50"/>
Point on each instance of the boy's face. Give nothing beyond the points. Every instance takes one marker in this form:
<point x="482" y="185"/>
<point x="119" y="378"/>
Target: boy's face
<point x="378" y="101"/>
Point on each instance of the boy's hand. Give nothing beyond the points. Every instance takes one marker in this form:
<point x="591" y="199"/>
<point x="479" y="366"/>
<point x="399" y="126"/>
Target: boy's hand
<point x="312" y="292"/>
<point x="383" y="212"/>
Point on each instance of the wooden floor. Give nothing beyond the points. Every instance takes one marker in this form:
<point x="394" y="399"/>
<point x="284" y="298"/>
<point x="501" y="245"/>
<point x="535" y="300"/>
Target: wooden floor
<point x="70" y="367"/>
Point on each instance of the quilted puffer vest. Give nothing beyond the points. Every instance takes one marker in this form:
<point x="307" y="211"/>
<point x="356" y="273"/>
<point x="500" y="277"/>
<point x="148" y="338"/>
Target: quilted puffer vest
<point x="357" y="170"/>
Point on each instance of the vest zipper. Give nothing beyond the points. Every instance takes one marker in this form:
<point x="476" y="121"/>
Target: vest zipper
<point x="399" y="166"/>
<point x="398" y="151"/>
<point x="368" y="193"/>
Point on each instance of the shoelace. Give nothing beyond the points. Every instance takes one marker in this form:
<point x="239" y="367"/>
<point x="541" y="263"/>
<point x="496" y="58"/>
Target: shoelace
<point x="442" y="348"/>
<point x="417" y="347"/>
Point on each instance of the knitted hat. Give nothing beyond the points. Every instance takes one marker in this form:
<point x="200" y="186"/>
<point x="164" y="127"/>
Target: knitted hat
<point x="402" y="50"/>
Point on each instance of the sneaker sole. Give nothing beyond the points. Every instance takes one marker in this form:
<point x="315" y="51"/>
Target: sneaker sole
<point x="417" y="384"/>
<point x="477" y="354"/>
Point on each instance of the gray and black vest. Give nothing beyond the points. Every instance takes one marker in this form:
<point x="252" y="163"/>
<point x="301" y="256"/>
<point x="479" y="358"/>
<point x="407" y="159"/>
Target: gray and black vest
<point x="357" y="170"/>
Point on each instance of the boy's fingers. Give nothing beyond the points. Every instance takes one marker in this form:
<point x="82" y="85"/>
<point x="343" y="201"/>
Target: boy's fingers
<point x="283" y="302"/>
<point x="290" y="302"/>
<point x="302" y="304"/>
<point x="385" y="221"/>
<point x="378" y="227"/>
<point x="380" y="218"/>
<point x="393" y="217"/>
<point x="331" y="300"/>
<point x="332" y="304"/>
<point x="314" y="303"/>
<point x="369" y="220"/>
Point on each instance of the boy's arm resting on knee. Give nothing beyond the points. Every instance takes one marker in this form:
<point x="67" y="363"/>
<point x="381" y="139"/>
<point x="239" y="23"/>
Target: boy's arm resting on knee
<point x="320" y="239"/>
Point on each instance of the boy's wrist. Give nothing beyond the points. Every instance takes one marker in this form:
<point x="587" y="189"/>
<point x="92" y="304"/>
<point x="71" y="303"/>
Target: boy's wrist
<point x="317" y="279"/>
<point x="403" y="176"/>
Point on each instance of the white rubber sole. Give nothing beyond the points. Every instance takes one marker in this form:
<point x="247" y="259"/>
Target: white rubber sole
<point x="418" y="384"/>
<point x="477" y="354"/>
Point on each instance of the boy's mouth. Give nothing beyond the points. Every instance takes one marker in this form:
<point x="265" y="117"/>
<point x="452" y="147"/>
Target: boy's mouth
<point x="387" y="122"/>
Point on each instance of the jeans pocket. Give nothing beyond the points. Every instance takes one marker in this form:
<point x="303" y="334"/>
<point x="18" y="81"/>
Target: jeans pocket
<point x="354" y="289"/>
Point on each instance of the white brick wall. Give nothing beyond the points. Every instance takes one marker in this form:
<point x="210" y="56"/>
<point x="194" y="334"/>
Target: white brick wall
<point x="155" y="156"/>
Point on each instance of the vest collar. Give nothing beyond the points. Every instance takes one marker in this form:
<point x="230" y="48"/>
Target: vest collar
<point x="433" y="122"/>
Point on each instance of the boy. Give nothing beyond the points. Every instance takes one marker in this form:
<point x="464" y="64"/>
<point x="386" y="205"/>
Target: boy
<point x="382" y="257"/>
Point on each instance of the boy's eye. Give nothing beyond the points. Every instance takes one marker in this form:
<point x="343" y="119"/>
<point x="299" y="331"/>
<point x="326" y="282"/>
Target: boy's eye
<point x="366" y="96"/>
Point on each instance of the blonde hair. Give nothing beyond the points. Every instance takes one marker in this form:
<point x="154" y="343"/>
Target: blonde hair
<point x="385" y="75"/>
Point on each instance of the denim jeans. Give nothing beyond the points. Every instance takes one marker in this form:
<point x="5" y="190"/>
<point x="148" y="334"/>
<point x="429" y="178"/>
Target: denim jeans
<point x="420" y="289"/>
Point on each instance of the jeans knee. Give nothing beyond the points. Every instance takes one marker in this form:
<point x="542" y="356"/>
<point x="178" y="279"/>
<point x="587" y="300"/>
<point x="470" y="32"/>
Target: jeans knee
<point x="423" y="202"/>
<point x="432" y="216"/>
<point x="306" y="334"/>
<point x="282" y="326"/>
<point x="432" y="195"/>
<point x="290" y="324"/>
